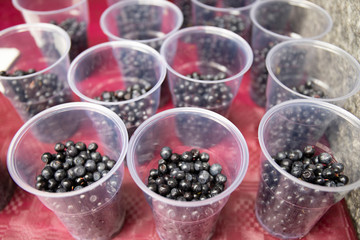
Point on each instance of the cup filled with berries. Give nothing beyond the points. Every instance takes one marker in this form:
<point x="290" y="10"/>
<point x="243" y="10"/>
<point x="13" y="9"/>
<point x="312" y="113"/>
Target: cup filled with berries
<point x="72" y="16"/>
<point x="205" y="67"/>
<point x="308" y="163"/>
<point x="78" y="177"/>
<point x="310" y="69"/>
<point x="33" y="75"/>
<point x="124" y="76"/>
<point x="186" y="183"/>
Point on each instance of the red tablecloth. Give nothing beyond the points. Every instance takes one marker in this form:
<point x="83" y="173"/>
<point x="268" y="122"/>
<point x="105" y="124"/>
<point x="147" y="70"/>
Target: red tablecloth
<point x="26" y="218"/>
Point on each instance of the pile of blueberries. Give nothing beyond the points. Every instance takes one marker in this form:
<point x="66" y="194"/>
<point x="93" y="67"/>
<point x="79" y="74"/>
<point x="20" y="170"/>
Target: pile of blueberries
<point x="133" y="114"/>
<point x="318" y="169"/>
<point x="35" y="94"/>
<point x="309" y="89"/>
<point x="77" y="31"/>
<point x="187" y="176"/>
<point x="73" y="167"/>
<point x="216" y="97"/>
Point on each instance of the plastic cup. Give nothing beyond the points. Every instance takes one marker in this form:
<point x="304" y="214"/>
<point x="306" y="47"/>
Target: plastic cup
<point x="233" y="15"/>
<point x="41" y="47"/>
<point x="181" y="219"/>
<point x="286" y="206"/>
<point x="310" y="69"/>
<point x="145" y="21"/>
<point x="72" y="16"/>
<point x="120" y="65"/>
<point x="207" y="51"/>
<point x="95" y="211"/>
<point x="275" y="21"/>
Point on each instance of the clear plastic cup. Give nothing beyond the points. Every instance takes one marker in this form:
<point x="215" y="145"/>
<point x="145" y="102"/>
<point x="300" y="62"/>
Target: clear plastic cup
<point x="72" y="16"/>
<point x="233" y="15"/>
<point x="310" y="69"/>
<point x="209" y="52"/>
<point x="95" y="211"/>
<point x="37" y="63"/>
<point x="275" y="21"/>
<point x="286" y="206"/>
<point x="115" y="66"/>
<point x="176" y="128"/>
<point x="145" y="21"/>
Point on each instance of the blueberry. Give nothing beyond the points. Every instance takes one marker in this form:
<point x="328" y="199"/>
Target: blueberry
<point x="215" y="169"/>
<point x="60" y="175"/>
<point x="325" y="158"/>
<point x="204" y="157"/>
<point x="309" y="151"/>
<point x="204" y="177"/>
<point x="308" y="176"/>
<point x="90" y="165"/>
<point x="153" y="187"/>
<point x="79" y="171"/>
<point x="220" y="178"/>
<point x="47" y="172"/>
<point x="46" y="157"/>
<point x="59" y="147"/>
<point x="163" y="189"/>
<point x="92" y="147"/>
<point x="166" y="153"/>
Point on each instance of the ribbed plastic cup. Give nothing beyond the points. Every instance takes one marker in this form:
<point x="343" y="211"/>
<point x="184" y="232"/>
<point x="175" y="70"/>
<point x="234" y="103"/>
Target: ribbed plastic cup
<point x="72" y="16"/>
<point x="145" y="21"/>
<point x="310" y="69"/>
<point x="95" y="211"/>
<point x="288" y="207"/>
<point x="120" y="65"/>
<point x="233" y="15"/>
<point x="275" y="21"/>
<point x="176" y="128"/>
<point x="207" y="51"/>
<point x="43" y="49"/>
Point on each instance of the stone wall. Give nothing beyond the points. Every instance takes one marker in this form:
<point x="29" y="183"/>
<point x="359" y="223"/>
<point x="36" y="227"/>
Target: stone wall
<point x="346" y="35"/>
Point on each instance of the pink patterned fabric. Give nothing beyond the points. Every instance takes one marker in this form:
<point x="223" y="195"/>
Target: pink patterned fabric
<point x="25" y="217"/>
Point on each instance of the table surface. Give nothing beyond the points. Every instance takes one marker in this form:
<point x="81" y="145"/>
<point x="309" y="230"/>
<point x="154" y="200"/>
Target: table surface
<point x="25" y="217"/>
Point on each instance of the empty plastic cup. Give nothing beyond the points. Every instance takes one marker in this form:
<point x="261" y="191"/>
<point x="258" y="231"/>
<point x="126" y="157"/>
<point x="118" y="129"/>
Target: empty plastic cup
<point x="72" y="16"/>
<point x="33" y="75"/>
<point x="175" y="128"/>
<point x="205" y="67"/>
<point x="233" y="15"/>
<point x="124" y="76"/>
<point x="95" y="211"/>
<point x="146" y="21"/>
<point x="275" y="21"/>
<point x="286" y="205"/>
<point x="310" y="69"/>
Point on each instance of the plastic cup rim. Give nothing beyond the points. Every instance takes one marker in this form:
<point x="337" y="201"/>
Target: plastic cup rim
<point x="215" y="31"/>
<point x="22" y="9"/>
<point x="206" y="113"/>
<point x="38" y="27"/>
<point x="222" y="9"/>
<point x="297" y="3"/>
<point x="53" y="111"/>
<point x="159" y="3"/>
<point x="116" y="44"/>
<point x="324" y="105"/>
<point x="318" y="45"/>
